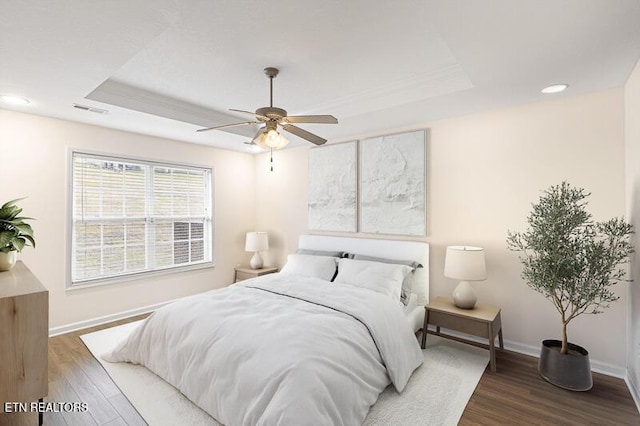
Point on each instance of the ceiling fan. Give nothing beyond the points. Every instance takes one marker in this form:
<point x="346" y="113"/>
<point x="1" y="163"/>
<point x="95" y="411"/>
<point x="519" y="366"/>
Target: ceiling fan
<point x="267" y="136"/>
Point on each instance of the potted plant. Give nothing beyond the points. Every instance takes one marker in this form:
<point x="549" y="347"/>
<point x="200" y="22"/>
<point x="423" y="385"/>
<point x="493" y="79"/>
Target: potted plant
<point x="15" y="234"/>
<point x="573" y="262"/>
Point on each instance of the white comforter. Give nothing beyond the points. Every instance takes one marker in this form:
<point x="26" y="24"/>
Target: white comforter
<point x="278" y="350"/>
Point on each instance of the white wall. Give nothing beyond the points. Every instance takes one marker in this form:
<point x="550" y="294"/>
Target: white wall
<point x="281" y="201"/>
<point x="483" y="173"/>
<point x="632" y="156"/>
<point x="33" y="163"/>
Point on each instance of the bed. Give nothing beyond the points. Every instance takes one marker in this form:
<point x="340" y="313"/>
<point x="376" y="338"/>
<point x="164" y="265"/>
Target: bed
<point x="293" y="348"/>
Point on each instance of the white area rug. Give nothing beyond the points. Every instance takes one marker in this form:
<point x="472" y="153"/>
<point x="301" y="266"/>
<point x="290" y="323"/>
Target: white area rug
<point x="436" y="394"/>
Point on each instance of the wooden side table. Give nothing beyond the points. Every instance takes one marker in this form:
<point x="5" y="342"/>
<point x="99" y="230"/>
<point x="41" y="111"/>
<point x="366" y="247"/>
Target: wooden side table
<point x="482" y="321"/>
<point x="245" y="272"/>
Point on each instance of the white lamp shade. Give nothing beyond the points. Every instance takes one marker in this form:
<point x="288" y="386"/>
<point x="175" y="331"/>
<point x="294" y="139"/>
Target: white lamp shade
<point x="465" y="263"/>
<point x="256" y="241"/>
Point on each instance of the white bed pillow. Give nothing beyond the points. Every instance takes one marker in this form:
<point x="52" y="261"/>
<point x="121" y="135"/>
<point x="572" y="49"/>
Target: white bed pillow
<point x="407" y="284"/>
<point x="323" y="267"/>
<point x="384" y="278"/>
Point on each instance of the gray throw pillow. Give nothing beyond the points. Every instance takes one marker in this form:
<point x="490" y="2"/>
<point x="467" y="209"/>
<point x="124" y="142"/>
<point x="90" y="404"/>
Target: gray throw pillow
<point x="320" y="252"/>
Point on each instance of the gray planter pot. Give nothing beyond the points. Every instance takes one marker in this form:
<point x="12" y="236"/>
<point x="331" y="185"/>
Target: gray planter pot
<point x="571" y="371"/>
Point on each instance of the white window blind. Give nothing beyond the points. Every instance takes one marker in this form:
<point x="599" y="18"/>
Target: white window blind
<point x="132" y="216"/>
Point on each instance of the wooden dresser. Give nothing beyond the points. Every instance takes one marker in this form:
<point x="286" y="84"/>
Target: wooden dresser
<point x="24" y="337"/>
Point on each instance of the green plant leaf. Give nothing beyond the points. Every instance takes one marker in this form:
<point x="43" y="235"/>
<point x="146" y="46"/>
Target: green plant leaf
<point x="6" y="237"/>
<point x="7" y="212"/>
<point x="31" y="240"/>
<point x="19" y="243"/>
<point x="12" y="202"/>
<point x="23" y="218"/>
<point x="25" y="229"/>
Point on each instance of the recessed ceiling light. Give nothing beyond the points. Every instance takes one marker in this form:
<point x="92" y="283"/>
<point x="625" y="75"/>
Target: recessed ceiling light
<point x="556" y="88"/>
<point x="14" y="100"/>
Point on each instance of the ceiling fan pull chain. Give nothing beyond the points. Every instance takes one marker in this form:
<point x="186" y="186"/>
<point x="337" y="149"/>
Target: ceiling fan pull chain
<point x="271" y="159"/>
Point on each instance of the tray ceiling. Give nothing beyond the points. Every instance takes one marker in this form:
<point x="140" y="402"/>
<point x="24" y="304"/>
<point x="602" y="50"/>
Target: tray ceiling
<point x="166" y="68"/>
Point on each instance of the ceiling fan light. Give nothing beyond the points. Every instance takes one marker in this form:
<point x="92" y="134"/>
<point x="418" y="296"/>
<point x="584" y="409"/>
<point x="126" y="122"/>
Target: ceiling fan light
<point x="271" y="139"/>
<point x="275" y="140"/>
<point x="260" y="141"/>
<point x="282" y="142"/>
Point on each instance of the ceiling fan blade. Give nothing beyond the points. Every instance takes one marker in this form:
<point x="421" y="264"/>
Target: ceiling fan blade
<point x="261" y="117"/>
<point x="227" y="125"/>
<point x="303" y="134"/>
<point x="322" y="119"/>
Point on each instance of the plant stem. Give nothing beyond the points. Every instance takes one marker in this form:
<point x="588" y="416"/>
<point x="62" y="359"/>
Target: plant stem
<point x="565" y="344"/>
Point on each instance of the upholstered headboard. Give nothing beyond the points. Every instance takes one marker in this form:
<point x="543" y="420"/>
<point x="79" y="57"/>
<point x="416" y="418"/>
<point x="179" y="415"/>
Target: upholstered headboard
<point x="391" y="249"/>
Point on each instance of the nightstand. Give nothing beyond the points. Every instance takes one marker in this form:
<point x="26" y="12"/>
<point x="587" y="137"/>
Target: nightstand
<point x="244" y="273"/>
<point x="482" y="321"/>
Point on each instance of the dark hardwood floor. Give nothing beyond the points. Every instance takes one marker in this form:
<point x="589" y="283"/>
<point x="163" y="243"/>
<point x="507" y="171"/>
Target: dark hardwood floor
<point x="514" y="395"/>
<point x="517" y="395"/>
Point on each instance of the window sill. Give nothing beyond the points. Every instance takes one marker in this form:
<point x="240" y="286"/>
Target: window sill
<point x="136" y="276"/>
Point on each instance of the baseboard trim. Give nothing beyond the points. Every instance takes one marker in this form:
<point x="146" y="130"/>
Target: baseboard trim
<point x="633" y="389"/>
<point x="56" y="331"/>
<point x="534" y="351"/>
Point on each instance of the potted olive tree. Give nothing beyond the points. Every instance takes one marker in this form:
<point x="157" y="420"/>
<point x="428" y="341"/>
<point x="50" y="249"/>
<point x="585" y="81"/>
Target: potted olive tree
<point x="573" y="262"/>
<point x="15" y="234"/>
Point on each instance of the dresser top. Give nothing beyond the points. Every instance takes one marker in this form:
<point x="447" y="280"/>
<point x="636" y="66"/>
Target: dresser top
<point x="19" y="281"/>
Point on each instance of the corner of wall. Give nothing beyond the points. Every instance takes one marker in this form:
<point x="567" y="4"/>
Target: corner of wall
<point x="633" y="389"/>
<point x="632" y="184"/>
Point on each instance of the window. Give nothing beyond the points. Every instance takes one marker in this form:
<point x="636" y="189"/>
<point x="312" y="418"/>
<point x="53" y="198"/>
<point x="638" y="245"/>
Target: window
<point x="131" y="216"/>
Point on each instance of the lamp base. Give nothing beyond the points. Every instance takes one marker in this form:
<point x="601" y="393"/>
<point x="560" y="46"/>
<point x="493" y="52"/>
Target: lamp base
<point x="464" y="296"/>
<point x="256" y="261"/>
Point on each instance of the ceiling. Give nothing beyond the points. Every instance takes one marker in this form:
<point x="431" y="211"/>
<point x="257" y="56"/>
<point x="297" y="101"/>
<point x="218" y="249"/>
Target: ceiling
<point x="168" y="67"/>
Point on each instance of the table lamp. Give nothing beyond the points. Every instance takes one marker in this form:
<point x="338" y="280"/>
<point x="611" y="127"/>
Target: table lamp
<point x="256" y="242"/>
<point x="466" y="264"/>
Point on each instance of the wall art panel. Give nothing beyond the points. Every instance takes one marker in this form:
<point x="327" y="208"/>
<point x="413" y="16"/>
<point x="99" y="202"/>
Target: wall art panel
<point x="393" y="184"/>
<point x="332" y="187"/>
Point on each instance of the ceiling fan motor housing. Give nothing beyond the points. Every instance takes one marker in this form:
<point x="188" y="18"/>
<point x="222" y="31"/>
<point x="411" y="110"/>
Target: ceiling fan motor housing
<point x="272" y="113"/>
